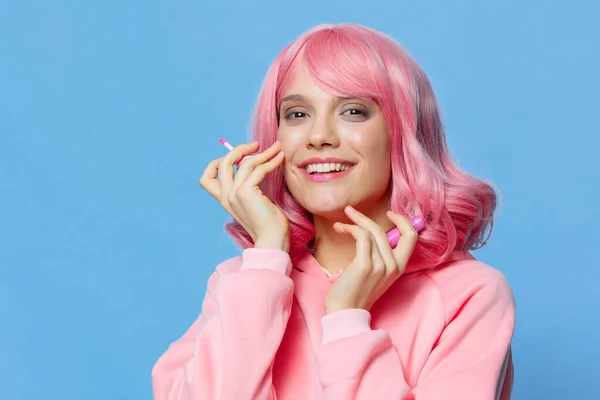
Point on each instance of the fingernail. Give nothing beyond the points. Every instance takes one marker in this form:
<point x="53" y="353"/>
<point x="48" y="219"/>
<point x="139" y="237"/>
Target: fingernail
<point x="350" y="209"/>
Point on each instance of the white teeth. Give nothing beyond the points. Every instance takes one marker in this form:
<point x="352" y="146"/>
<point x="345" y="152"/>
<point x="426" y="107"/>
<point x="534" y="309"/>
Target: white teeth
<point x="327" y="167"/>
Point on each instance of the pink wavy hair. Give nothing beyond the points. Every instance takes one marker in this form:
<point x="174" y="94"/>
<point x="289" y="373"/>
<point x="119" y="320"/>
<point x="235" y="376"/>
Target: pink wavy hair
<point x="349" y="59"/>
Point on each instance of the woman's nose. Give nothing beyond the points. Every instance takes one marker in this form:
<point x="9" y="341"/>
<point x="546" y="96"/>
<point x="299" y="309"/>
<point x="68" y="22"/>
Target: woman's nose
<point x="322" y="133"/>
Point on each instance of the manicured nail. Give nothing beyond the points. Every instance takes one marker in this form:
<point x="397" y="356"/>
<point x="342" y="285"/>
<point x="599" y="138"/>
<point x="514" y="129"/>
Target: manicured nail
<point x="350" y="209"/>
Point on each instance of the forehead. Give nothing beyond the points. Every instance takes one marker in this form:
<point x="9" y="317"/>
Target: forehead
<point x="302" y="83"/>
<point x="304" y="88"/>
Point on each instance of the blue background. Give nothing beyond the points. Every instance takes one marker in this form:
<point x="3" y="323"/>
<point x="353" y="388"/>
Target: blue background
<point x="109" y="112"/>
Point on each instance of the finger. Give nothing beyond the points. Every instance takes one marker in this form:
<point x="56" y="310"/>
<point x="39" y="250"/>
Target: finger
<point x="377" y="233"/>
<point x="408" y="240"/>
<point x="259" y="173"/>
<point x="226" y="170"/>
<point x="363" y="241"/>
<point x="250" y="164"/>
<point x="236" y="154"/>
<point x="208" y="180"/>
<point x="377" y="260"/>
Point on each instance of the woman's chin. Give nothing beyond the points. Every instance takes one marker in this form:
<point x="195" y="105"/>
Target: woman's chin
<point x="329" y="211"/>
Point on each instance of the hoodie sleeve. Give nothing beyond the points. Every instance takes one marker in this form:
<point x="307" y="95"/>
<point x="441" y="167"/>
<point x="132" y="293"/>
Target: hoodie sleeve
<point x="470" y="360"/>
<point x="228" y="351"/>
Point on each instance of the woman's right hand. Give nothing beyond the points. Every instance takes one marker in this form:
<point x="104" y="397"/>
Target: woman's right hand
<point x="240" y="195"/>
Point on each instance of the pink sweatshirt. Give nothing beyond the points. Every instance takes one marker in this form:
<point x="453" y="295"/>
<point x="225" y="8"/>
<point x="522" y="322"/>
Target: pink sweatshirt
<point x="263" y="334"/>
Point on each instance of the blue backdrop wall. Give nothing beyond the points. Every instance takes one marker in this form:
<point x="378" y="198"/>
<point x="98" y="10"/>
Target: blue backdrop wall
<point x="109" y="112"/>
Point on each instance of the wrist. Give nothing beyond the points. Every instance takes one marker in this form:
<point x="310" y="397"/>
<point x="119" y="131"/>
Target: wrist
<point x="335" y="308"/>
<point x="280" y="242"/>
<point x="331" y="308"/>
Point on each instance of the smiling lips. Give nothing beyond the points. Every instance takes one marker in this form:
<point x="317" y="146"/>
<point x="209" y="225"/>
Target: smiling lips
<point x="324" y="169"/>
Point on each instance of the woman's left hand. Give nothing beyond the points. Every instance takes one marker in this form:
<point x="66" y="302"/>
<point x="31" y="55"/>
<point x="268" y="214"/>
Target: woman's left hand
<point x="375" y="267"/>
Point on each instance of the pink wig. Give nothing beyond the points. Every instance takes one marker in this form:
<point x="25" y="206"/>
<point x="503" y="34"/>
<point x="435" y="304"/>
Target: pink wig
<point x="353" y="60"/>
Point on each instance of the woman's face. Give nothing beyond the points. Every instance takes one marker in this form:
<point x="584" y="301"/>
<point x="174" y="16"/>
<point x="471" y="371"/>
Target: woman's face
<point x="319" y="133"/>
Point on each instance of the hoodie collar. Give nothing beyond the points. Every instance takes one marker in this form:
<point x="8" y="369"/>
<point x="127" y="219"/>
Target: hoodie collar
<point x="308" y="263"/>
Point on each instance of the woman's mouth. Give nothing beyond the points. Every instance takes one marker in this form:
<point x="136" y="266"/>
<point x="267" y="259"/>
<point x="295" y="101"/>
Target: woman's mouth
<point x="325" y="172"/>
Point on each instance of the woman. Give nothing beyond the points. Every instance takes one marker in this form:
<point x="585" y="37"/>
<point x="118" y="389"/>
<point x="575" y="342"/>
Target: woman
<point x="319" y="305"/>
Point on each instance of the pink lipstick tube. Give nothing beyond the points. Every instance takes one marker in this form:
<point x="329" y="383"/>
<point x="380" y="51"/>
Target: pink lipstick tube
<point x="230" y="147"/>
<point x="394" y="234"/>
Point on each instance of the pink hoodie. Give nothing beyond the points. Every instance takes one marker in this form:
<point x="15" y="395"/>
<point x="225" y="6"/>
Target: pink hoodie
<point x="263" y="334"/>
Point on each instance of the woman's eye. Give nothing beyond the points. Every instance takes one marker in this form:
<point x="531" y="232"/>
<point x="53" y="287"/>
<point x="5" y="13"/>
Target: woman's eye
<point x="355" y="112"/>
<point x="295" y="115"/>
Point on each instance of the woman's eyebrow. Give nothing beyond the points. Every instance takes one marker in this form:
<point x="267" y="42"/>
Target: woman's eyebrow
<point x="300" y="98"/>
<point x="293" y="97"/>
<point x="346" y="98"/>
